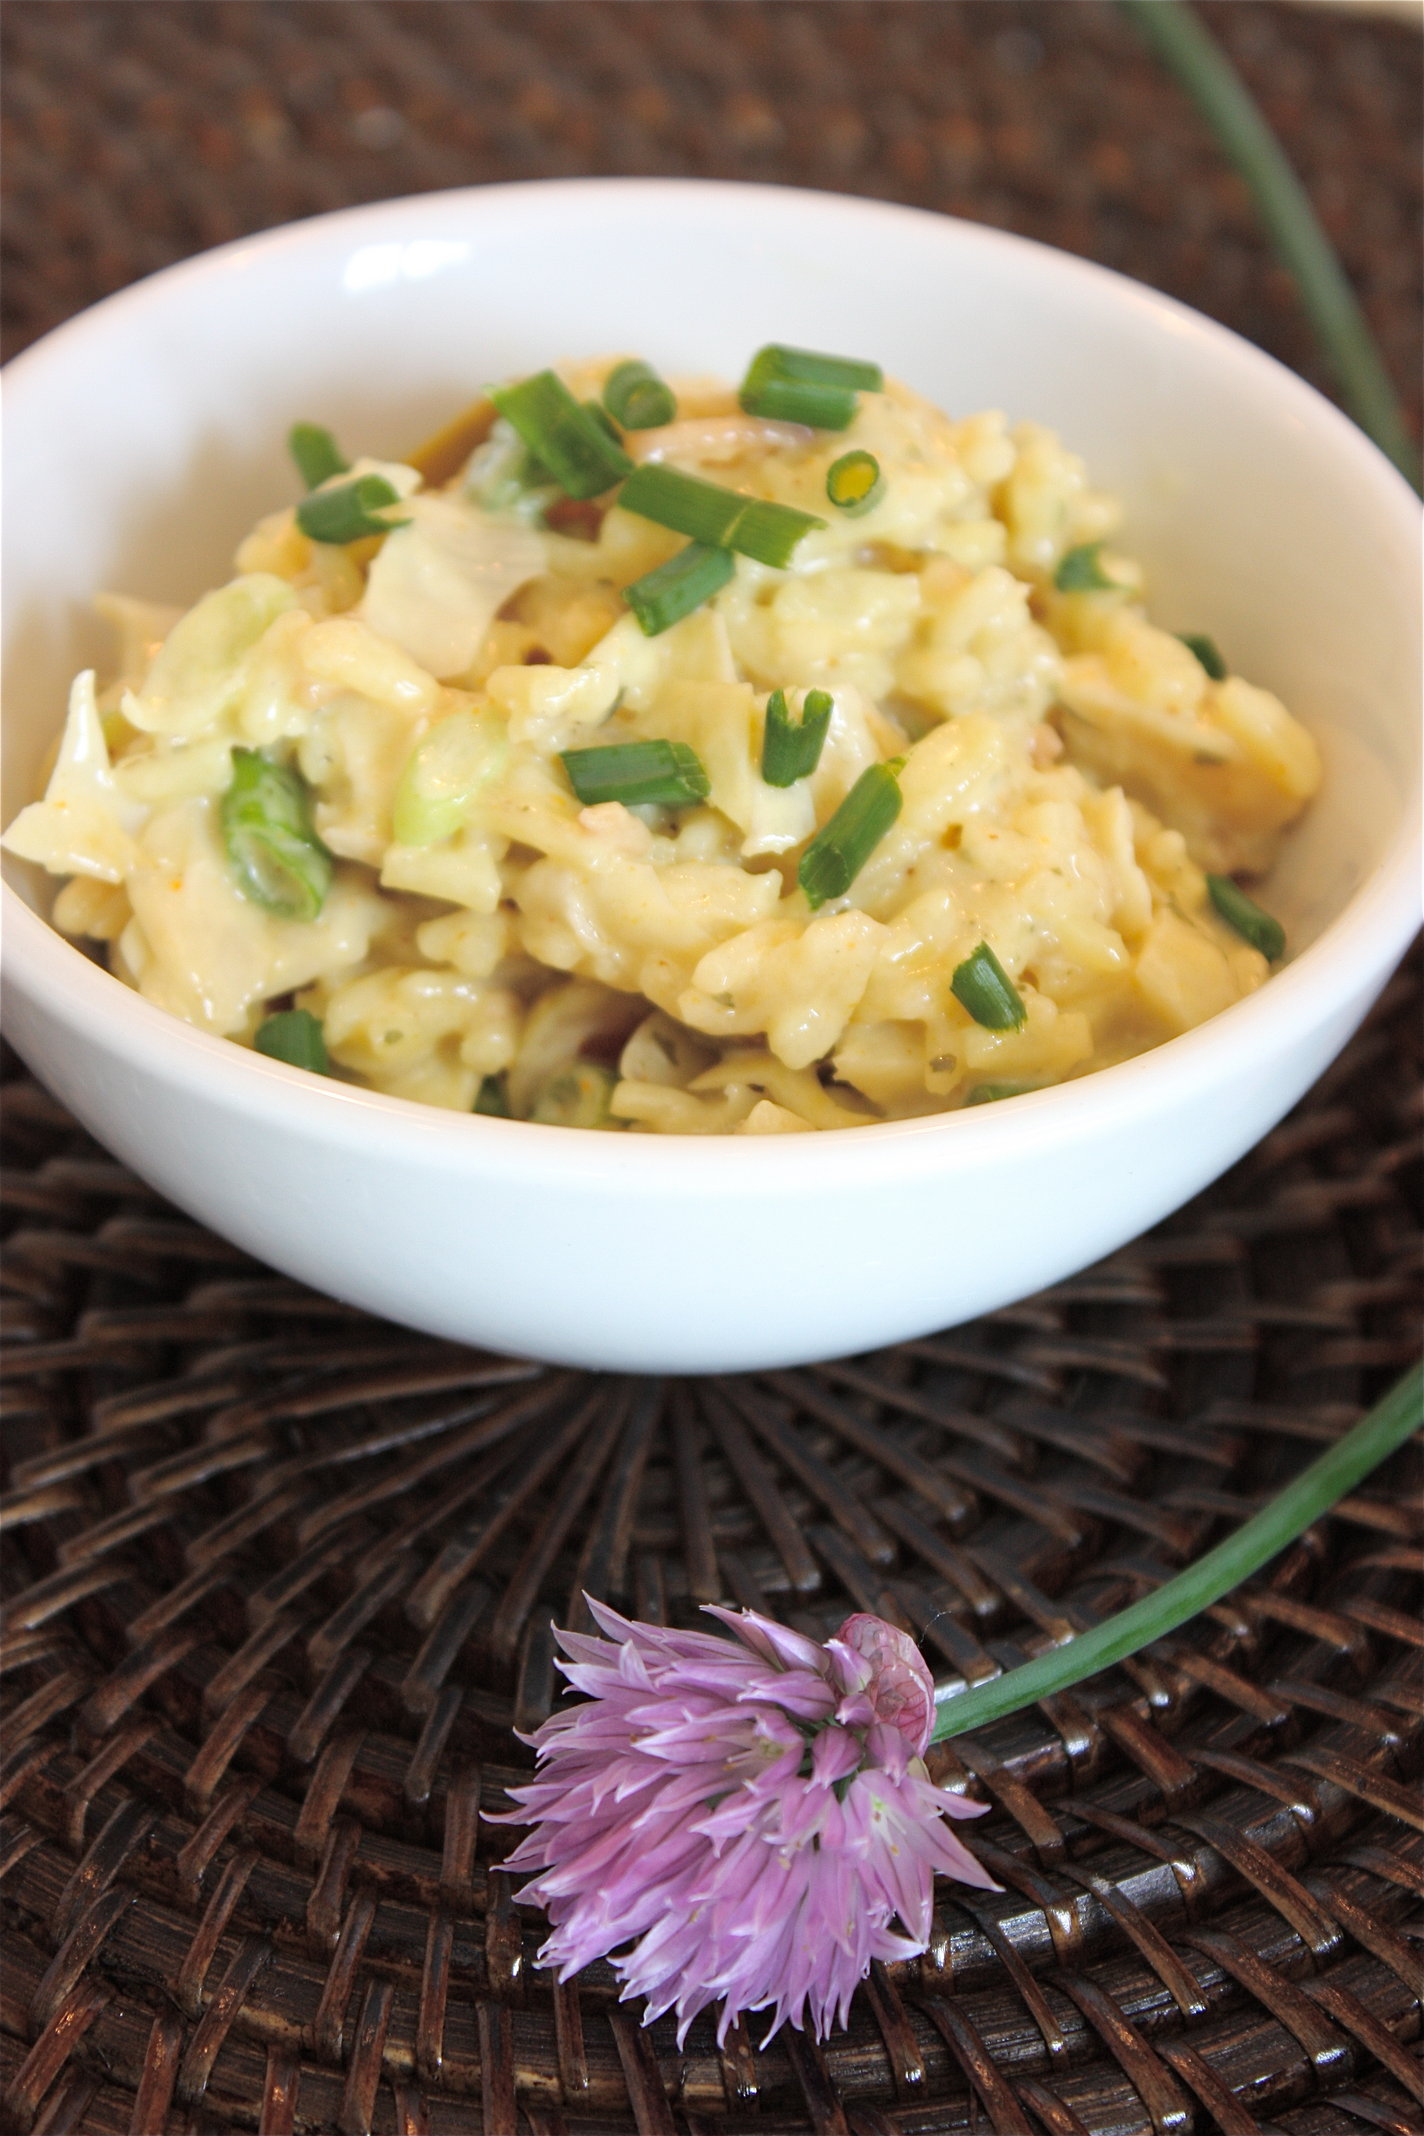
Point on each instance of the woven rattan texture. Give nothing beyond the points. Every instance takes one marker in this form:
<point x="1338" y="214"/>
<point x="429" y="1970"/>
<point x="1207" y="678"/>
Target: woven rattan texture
<point x="281" y="1577"/>
<point x="282" y="1582"/>
<point x="139" y="131"/>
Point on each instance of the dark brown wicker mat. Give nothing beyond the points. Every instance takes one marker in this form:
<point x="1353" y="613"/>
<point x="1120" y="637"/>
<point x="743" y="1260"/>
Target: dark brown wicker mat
<point x="283" y="1580"/>
<point x="280" y="1577"/>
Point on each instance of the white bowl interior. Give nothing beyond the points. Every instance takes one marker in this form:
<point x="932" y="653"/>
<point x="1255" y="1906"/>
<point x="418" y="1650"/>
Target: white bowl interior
<point x="1247" y="508"/>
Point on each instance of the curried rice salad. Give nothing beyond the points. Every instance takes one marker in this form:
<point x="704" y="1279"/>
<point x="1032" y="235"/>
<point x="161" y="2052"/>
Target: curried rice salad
<point x="671" y="758"/>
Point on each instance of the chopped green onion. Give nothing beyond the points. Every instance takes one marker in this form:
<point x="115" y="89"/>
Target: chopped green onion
<point x="791" y="748"/>
<point x="663" y="597"/>
<point x="598" y="414"/>
<point x="1245" y="915"/>
<point x="580" y="1096"/>
<point x="1081" y="571"/>
<point x="637" y="398"/>
<point x="563" y="436"/>
<point x="505" y="478"/>
<point x="492" y="1098"/>
<point x="838" y="852"/>
<point x="669" y="774"/>
<point x="296" y="1037"/>
<point x="1207" y="652"/>
<point x="990" y="1093"/>
<point x="981" y="985"/>
<point x="346" y="513"/>
<point x="720" y="517"/>
<point x="854" y="483"/>
<point x="316" y="452"/>
<point x="276" y="858"/>
<point x="800" y="386"/>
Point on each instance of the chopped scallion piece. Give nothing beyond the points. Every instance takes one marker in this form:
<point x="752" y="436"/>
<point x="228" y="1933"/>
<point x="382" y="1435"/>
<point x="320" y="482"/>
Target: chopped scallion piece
<point x="854" y="483"/>
<point x="492" y="1098"/>
<point x="1081" y="571"/>
<point x="1207" y="652"/>
<point x="580" y="1096"/>
<point x="669" y="774"/>
<point x="1245" y="915"/>
<point x="981" y="985"/>
<point x="637" y="398"/>
<point x="801" y="386"/>
<point x="791" y="748"/>
<point x="296" y="1037"/>
<point x="276" y="858"/>
<point x="347" y="513"/>
<point x="990" y="1093"/>
<point x="562" y="436"/>
<point x="663" y="597"/>
<point x="316" y="452"/>
<point x="597" y="413"/>
<point x="718" y="517"/>
<point x="840" y="849"/>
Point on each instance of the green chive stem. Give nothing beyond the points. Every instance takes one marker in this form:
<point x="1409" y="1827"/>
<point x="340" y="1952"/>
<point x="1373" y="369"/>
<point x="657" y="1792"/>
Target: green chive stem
<point x="1081" y="571"/>
<point x="660" y="773"/>
<point x="636" y="397"/>
<point x="1207" y="652"/>
<point x="803" y="386"/>
<point x="562" y="435"/>
<point x="715" y="516"/>
<point x="664" y="596"/>
<point x="348" y="512"/>
<point x="791" y="748"/>
<point x="1187" y="48"/>
<point x="296" y="1037"/>
<point x="982" y="986"/>
<point x="274" y="855"/>
<point x="1232" y="1561"/>
<point x="316" y="452"/>
<point x="1250" y="920"/>
<point x="840" y="849"/>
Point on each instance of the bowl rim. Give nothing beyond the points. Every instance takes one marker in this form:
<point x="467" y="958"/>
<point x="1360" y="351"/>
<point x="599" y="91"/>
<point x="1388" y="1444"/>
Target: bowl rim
<point x="1370" y="932"/>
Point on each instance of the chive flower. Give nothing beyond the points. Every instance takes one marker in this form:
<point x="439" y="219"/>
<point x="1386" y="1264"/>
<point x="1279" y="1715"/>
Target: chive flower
<point x="744" y="1821"/>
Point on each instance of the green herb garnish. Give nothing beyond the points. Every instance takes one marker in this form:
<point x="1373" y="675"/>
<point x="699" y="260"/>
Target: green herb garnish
<point x="802" y="386"/>
<point x="274" y="853"/>
<point x="316" y="452"/>
<point x="296" y="1037"/>
<point x="720" y="518"/>
<point x="1081" y="571"/>
<point x="1246" y="916"/>
<point x="492" y="1098"/>
<point x="348" y="512"/>
<point x="982" y="986"/>
<point x="838" y="852"/>
<point x="854" y="483"/>
<point x="636" y="397"/>
<point x="1207" y="653"/>
<point x="583" y="458"/>
<point x="791" y="748"/>
<point x="668" y="774"/>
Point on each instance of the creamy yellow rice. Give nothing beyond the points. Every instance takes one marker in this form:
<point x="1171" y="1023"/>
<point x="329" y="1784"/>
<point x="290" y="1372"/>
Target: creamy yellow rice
<point x="1071" y="774"/>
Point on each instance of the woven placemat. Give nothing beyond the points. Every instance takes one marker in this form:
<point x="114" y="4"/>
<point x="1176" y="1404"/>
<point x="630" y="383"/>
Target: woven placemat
<point x="281" y="1576"/>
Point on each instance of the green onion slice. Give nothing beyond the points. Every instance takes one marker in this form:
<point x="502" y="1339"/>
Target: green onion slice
<point x="721" y="518"/>
<point x="1081" y="571"/>
<point x="296" y="1037"/>
<point x="801" y="386"/>
<point x="563" y="436"/>
<point x="637" y="398"/>
<point x="275" y="856"/>
<point x="663" y="597"/>
<point x="840" y="849"/>
<point x="580" y="1096"/>
<point x="790" y="747"/>
<point x="854" y="483"/>
<point x="990" y="1093"/>
<point x="347" y="513"/>
<point x="981" y="985"/>
<point x="492" y="1098"/>
<point x="316" y="452"/>
<point x="1207" y="652"/>
<point x="1245" y="915"/>
<point x="669" y="774"/>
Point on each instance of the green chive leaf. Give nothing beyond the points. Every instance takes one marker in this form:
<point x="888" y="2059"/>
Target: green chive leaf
<point x="276" y="858"/>
<point x="1207" y="652"/>
<point x="580" y="1096"/>
<point x="347" y="513"/>
<point x="582" y="458"/>
<point x="801" y="386"/>
<point x="854" y="483"/>
<point x="791" y="748"/>
<point x="296" y="1037"/>
<point x="637" y="398"/>
<point x="717" y="517"/>
<point x="316" y="452"/>
<point x="663" y="597"/>
<point x="1081" y="571"/>
<point x="990" y="1093"/>
<point x="981" y="985"/>
<point x="840" y="849"/>
<point x="492" y="1098"/>
<point x="1246" y="916"/>
<point x="669" y="774"/>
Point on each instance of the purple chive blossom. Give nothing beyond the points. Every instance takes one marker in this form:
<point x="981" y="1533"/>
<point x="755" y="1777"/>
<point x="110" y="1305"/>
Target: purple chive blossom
<point x="750" y="1818"/>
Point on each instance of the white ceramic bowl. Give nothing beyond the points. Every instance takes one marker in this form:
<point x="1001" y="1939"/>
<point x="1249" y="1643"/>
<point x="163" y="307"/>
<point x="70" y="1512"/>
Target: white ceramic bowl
<point x="147" y="435"/>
